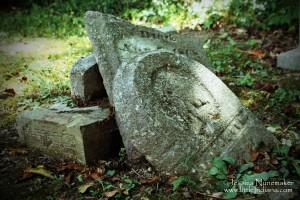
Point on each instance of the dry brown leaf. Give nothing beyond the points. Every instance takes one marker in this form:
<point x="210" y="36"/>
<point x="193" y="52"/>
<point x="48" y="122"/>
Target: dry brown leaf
<point x="151" y="180"/>
<point x="171" y="179"/>
<point x="254" y="154"/>
<point x="15" y="152"/>
<point x="110" y="194"/>
<point x="96" y="176"/>
<point x="71" y="166"/>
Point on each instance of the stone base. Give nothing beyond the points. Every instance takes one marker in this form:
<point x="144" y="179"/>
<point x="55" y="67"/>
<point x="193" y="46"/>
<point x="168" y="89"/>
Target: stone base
<point x="289" y="59"/>
<point x="82" y="134"/>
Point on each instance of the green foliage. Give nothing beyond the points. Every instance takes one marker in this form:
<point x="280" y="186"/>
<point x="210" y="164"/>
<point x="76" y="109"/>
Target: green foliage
<point x="244" y="177"/>
<point x="264" y="13"/>
<point x="182" y="180"/>
<point x="60" y="18"/>
<point x="110" y="173"/>
<point x="246" y="80"/>
<point x="234" y="63"/>
<point x="288" y="162"/>
<point x="211" y="20"/>
<point x="167" y="12"/>
<point x="284" y="96"/>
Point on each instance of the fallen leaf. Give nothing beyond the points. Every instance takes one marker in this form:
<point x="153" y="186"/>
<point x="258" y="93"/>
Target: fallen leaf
<point x="115" y="179"/>
<point x="253" y="53"/>
<point x="217" y="194"/>
<point x="67" y="178"/>
<point x="257" y="53"/>
<point x="71" y="166"/>
<point x="171" y="179"/>
<point x="151" y="180"/>
<point x="254" y="154"/>
<point x="95" y="176"/>
<point x="126" y="192"/>
<point x="15" y="152"/>
<point x="83" y="188"/>
<point x="40" y="170"/>
<point x="25" y="176"/>
<point x="187" y="195"/>
<point x="110" y="194"/>
<point x="274" y="162"/>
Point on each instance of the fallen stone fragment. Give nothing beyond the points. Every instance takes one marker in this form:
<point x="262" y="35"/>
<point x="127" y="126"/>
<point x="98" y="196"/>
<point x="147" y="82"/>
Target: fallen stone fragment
<point x="82" y="134"/>
<point x="178" y="115"/>
<point x="86" y="81"/>
<point x="289" y="59"/>
<point x="116" y="41"/>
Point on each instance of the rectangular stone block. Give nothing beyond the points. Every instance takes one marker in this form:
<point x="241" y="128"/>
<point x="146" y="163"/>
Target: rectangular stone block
<point x="82" y="134"/>
<point x="86" y="81"/>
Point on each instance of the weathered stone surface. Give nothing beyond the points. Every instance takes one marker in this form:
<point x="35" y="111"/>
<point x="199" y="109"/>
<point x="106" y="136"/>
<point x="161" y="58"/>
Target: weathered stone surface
<point x="179" y="115"/>
<point x="86" y="80"/>
<point x="83" y="134"/>
<point x="289" y="59"/>
<point x="116" y="41"/>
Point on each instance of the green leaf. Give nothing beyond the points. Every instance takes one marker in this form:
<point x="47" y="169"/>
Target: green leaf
<point x="110" y="173"/>
<point x="245" y="167"/>
<point x="79" y="178"/>
<point x="264" y="176"/>
<point x="220" y="164"/>
<point x="222" y="184"/>
<point x="283" y="150"/>
<point x="221" y="176"/>
<point x="213" y="171"/>
<point x="182" y="180"/>
<point x="229" y="160"/>
<point x="177" y="182"/>
<point x="273" y="173"/>
<point x="230" y="194"/>
<point x="297" y="167"/>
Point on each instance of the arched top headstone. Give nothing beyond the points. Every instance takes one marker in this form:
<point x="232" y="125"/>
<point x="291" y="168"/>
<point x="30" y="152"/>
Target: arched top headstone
<point x="170" y="108"/>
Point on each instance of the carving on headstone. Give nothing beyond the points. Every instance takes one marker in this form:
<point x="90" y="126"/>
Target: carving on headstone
<point x="117" y="41"/>
<point x="170" y="108"/>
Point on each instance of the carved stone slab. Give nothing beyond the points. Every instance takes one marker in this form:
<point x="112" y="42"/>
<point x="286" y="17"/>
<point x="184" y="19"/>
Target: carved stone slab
<point x="82" y="134"/>
<point x="179" y="115"/>
<point x="116" y="41"/>
<point x="86" y="81"/>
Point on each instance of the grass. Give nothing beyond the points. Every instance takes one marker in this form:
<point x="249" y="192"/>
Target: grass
<point x="43" y="78"/>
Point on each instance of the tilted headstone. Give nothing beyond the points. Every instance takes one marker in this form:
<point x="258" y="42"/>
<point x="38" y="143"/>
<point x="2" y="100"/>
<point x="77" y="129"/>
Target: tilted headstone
<point x="116" y="41"/>
<point x="170" y="109"/>
<point x="83" y="134"/>
<point x="86" y="81"/>
<point x="179" y="115"/>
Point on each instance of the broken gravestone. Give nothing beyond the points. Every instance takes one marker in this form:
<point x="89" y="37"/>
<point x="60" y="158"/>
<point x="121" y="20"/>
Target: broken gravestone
<point x="86" y="81"/>
<point x="170" y="108"/>
<point x="116" y="41"/>
<point x="179" y="115"/>
<point x="82" y="134"/>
